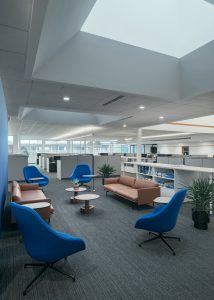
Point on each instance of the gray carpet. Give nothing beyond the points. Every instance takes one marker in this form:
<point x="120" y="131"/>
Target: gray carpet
<point x="113" y="266"/>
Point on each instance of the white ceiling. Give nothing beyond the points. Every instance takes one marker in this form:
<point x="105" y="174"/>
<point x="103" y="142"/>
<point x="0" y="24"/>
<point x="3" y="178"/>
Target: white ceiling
<point x="16" y="40"/>
<point x="176" y="31"/>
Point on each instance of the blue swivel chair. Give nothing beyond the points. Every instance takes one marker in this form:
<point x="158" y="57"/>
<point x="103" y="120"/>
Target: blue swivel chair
<point x="31" y="172"/>
<point x="78" y="173"/>
<point x="42" y="242"/>
<point x="162" y="219"/>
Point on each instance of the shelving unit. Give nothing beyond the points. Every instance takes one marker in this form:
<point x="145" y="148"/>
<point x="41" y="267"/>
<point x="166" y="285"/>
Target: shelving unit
<point x="170" y="177"/>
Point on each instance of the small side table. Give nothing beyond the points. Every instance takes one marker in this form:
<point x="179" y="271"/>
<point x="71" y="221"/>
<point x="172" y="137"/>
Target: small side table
<point x="87" y="208"/>
<point x="75" y="192"/>
<point x="43" y="209"/>
<point x="162" y="200"/>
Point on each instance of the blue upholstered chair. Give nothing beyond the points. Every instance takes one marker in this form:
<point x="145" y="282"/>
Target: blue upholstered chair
<point x="78" y="173"/>
<point x="42" y="242"/>
<point x="33" y="175"/>
<point x="162" y="219"/>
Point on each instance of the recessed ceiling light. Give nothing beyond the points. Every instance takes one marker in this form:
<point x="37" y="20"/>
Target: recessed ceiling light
<point x="161" y="117"/>
<point x="66" y="98"/>
<point x="141" y="107"/>
<point x="128" y="139"/>
<point x="124" y="125"/>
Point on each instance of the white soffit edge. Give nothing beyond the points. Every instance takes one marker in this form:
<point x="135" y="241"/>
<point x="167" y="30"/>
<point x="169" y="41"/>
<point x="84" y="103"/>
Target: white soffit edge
<point x="197" y="125"/>
<point x="171" y="27"/>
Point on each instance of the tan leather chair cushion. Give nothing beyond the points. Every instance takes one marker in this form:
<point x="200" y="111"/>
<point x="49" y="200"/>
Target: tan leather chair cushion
<point x="139" y="184"/>
<point x="127" y="180"/>
<point x="32" y="195"/>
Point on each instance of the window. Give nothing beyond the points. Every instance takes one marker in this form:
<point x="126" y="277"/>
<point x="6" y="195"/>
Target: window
<point x="30" y="147"/>
<point x="56" y="146"/>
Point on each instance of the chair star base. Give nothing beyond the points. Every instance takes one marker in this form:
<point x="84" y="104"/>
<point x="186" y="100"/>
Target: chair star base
<point x="45" y="267"/>
<point x="163" y="238"/>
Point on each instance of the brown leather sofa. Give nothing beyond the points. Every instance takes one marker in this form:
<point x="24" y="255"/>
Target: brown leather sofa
<point x="136" y="190"/>
<point x="30" y="193"/>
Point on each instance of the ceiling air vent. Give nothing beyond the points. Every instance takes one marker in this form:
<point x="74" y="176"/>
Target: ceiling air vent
<point x="113" y="100"/>
<point x="125" y="118"/>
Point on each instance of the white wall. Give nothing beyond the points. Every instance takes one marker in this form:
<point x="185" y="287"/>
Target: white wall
<point x="195" y="149"/>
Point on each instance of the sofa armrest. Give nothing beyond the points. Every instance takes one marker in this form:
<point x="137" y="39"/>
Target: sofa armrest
<point x="33" y="201"/>
<point x="147" y="195"/>
<point x="111" y="180"/>
<point x="29" y="186"/>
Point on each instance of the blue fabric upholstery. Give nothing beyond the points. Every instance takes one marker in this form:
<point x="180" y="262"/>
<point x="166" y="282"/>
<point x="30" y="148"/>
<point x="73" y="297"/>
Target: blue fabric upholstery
<point x="42" y="242"/>
<point x="79" y="171"/>
<point x="163" y="219"/>
<point x="33" y="172"/>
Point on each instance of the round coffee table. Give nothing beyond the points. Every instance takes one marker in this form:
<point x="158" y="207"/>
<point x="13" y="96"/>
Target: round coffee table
<point x="162" y="200"/>
<point x="87" y="208"/>
<point x="75" y="192"/>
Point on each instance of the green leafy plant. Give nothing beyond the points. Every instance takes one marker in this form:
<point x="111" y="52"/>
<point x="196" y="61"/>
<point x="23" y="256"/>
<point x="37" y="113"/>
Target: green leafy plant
<point x="75" y="182"/>
<point x="106" y="170"/>
<point x="201" y="192"/>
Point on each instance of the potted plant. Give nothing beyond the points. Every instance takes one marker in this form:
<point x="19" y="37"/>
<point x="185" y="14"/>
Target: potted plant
<point x="201" y="192"/>
<point x="106" y="171"/>
<point x="75" y="183"/>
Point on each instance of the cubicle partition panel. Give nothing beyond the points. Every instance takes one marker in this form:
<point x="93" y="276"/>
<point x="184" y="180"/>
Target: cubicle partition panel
<point x="85" y="159"/>
<point x="3" y="154"/>
<point x="66" y="164"/>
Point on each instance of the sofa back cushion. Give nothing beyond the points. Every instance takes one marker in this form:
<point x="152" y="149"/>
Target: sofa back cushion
<point x="127" y="180"/>
<point x="16" y="191"/>
<point x="140" y="183"/>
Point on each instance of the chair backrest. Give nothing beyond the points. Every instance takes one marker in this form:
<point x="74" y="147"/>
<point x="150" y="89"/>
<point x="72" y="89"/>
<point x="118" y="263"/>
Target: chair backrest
<point x="81" y="170"/>
<point x="31" y="172"/>
<point x="167" y="216"/>
<point x="41" y="241"/>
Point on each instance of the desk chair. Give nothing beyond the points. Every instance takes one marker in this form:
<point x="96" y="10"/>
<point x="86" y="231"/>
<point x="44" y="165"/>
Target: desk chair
<point x="162" y="219"/>
<point x="42" y="242"/>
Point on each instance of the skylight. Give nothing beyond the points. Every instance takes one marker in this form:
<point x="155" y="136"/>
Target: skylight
<point x="172" y="27"/>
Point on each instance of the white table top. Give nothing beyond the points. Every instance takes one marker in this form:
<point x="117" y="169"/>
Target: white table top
<point x="162" y="200"/>
<point x="90" y="175"/>
<point x="87" y="197"/>
<point x="72" y="189"/>
<point x="37" y="205"/>
<point x="36" y="178"/>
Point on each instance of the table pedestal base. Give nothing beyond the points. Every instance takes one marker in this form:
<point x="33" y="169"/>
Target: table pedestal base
<point x="87" y="209"/>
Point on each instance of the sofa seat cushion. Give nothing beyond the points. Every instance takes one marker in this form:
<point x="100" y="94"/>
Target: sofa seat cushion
<point x="131" y="194"/>
<point x="32" y="195"/>
<point x="116" y="187"/>
<point x="122" y="190"/>
<point x="127" y="180"/>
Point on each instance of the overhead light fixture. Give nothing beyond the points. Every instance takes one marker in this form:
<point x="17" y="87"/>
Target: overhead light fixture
<point x="114" y="141"/>
<point x="66" y="98"/>
<point x="82" y="136"/>
<point x="128" y="139"/>
<point x="124" y="125"/>
<point x="141" y="107"/>
<point x="81" y="131"/>
<point x="166" y="135"/>
<point x="161" y="117"/>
